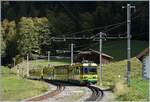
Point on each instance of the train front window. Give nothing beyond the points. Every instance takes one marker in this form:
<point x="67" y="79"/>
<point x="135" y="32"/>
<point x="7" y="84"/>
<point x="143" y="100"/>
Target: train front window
<point x="89" y="70"/>
<point x="93" y="70"/>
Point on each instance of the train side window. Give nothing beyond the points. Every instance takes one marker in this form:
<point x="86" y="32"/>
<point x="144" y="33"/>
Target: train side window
<point x="81" y="70"/>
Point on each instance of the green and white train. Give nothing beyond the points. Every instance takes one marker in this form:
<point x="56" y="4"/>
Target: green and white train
<point x="85" y="72"/>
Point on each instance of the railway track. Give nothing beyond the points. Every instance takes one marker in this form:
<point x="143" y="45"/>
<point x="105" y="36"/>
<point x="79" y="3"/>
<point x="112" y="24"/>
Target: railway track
<point x="97" y="94"/>
<point x="59" y="89"/>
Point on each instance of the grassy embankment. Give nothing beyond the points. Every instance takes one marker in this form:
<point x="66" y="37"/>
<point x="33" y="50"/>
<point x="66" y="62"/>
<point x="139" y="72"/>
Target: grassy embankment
<point x="114" y="75"/>
<point x="15" y="88"/>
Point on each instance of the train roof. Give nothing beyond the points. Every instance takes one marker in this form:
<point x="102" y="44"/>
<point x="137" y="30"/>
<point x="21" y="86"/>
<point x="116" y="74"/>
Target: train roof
<point x="89" y="64"/>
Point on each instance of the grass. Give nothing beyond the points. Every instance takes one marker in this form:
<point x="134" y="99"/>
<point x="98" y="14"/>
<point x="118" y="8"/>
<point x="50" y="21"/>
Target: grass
<point x="116" y="71"/>
<point x="139" y="90"/>
<point x="118" y="48"/>
<point x="15" y="88"/>
<point x="114" y="75"/>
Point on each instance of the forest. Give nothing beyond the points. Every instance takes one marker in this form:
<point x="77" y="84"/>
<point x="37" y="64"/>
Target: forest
<point x="28" y="26"/>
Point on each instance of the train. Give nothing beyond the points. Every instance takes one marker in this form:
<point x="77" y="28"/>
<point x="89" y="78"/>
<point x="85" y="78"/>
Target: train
<point x="89" y="72"/>
<point x="85" y="72"/>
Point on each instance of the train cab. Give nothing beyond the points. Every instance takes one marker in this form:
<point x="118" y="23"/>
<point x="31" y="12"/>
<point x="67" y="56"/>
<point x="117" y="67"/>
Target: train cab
<point x="89" y="72"/>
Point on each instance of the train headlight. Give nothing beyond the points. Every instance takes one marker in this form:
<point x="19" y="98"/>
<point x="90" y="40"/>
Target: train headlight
<point x="94" y="77"/>
<point x="85" y="77"/>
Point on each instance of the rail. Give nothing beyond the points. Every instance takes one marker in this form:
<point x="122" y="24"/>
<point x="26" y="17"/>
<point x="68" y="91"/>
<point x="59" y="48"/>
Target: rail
<point x="97" y="93"/>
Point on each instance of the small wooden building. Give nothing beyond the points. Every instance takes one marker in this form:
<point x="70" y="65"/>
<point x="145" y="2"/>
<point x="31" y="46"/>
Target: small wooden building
<point x="92" y="55"/>
<point x="144" y="58"/>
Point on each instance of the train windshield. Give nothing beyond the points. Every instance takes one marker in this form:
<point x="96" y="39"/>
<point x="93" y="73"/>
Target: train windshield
<point x="92" y="70"/>
<point x="89" y="70"/>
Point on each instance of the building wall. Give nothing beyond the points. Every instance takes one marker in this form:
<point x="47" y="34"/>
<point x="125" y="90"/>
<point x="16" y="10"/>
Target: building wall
<point x="105" y="60"/>
<point x="146" y="67"/>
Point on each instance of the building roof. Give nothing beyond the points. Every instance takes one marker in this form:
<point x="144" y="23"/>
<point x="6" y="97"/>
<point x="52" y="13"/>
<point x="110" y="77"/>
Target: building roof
<point x="91" y="50"/>
<point x="145" y="52"/>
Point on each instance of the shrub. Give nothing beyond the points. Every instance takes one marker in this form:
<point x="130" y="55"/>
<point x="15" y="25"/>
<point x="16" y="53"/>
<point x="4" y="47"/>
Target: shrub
<point x="18" y="59"/>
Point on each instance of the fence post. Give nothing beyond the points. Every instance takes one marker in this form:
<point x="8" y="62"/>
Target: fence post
<point x="27" y="65"/>
<point x="48" y="56"/>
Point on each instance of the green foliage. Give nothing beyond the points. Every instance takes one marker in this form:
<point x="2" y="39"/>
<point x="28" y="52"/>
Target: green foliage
<point x="3" y="44"/>
<point x="8" y="38"/>
<point x="103" y="13"/>
<point x="34" y="36"/>
<point x="44" y="33"/>
<point x="87" y="20"/>
<point x="18" y="59"/>
<point x="27" y="38"/>
<point x="60" y="22"/>
<point x="8" y="30"/>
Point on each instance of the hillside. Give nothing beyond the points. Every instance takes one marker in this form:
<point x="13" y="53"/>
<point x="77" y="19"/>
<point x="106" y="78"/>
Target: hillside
<point x="118" y="48"/>
<point x="114" y="75"/>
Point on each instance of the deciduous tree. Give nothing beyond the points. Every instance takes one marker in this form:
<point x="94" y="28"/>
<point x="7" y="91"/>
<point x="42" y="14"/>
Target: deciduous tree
<point x="27" y="42"/>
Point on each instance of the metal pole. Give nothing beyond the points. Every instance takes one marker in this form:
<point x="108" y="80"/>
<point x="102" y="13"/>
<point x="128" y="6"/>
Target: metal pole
<point x="48" y="56"/>
<point x="36" y="60"/>
<point x="27" y="65"/>
<point x="71" y="53"/>
<point x="14" y="61"/>
<point x="128" y="43"/>
<point x="18" y="70"/>
<point x="100" y="56"/>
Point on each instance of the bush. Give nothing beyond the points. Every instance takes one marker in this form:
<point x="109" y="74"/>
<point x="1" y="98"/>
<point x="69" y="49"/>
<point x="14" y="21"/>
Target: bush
<point x="18" y="59"/>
